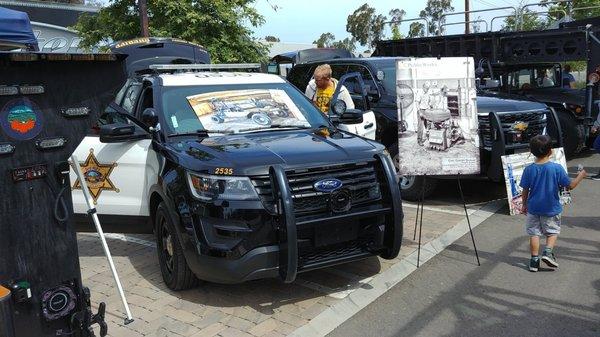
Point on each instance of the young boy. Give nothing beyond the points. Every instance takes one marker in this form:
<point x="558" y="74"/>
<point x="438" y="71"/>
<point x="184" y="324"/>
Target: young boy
<point x="541" y="183"/>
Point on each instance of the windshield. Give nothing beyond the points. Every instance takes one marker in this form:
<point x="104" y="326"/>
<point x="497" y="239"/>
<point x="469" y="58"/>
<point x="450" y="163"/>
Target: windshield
<point x="237" y="108"/>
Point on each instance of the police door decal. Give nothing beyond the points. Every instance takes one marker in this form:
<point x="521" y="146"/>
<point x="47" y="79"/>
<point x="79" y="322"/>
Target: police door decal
<point x="97" y="176"/>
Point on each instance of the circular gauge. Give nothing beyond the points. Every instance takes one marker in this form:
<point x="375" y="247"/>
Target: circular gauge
<point x="58" y="302"/>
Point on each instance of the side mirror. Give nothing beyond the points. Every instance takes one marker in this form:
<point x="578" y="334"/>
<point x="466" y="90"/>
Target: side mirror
<point x="351" y="116"/>
<point x="338" y="107"/>
<point x="118" y="133"/>
<point x="149" y="117"/>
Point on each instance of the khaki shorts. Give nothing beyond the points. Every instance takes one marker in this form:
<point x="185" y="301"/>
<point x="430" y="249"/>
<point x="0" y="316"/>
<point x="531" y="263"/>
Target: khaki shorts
<point x="538" y="225"/>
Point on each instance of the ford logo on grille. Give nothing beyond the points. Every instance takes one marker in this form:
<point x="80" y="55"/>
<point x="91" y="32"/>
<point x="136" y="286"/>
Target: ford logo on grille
<point x="328" y="185"/>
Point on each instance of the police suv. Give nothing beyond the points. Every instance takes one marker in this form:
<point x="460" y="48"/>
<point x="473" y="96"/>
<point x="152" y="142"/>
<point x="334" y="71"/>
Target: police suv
<point x="239" y="175"/>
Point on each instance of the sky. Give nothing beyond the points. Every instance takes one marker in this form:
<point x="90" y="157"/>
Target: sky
<point x="303" y="21"/>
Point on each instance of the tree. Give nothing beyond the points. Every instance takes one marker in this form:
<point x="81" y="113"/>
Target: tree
<point x="347" y="43"/>
<point x="396" y="15"/>
<point x="365" y="25"/>
<point x="433" y="13"/>
<point x="524" y="20"/>
<point x="556" y="10"/>
<point x="416" y="29"/>
<point x="271" y="38"/>
<point x="222" y="27"/>
<point x="325" y="40"/>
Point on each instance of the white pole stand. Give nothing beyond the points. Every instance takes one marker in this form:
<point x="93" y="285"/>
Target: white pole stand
<point x="92" y="212"/>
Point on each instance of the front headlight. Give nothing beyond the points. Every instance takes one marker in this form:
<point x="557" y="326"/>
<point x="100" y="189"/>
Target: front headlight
<point x="209" y="187"/>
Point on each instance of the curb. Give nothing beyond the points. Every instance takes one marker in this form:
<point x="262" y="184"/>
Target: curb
<point x="340" y="312"/>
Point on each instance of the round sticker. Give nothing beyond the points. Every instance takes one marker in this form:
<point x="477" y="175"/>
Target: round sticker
<point x="21" y="119"/>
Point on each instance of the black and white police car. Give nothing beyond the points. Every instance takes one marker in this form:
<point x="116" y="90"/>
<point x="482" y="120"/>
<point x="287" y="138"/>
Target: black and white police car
<point x="239" y="175"/>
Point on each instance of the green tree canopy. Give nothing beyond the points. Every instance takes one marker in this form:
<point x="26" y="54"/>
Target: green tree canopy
<point x="325" y="40"/>
<point x="220" y="26"/>
<point x="271" y="38"/>
<point x="416" y="29"/>
<point x="365" y="25"/>
<point x="347" y="43"/>
<point x="396" y="15"/>
<point x="525" y="20"/>
<point x="433" y="13"/>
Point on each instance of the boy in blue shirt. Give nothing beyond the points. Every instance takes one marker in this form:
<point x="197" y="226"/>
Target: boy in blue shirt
<point x="541" y="183"/>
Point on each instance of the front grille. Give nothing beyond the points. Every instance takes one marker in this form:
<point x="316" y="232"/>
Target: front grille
<point x="359" y="179"/>
<point x="535" y="119"/>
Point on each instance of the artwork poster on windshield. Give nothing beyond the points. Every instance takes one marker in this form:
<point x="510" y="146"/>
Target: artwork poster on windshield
<point x="437" y="116"/>
<point x="514" y="165"/>
<point x="236" y="110"/>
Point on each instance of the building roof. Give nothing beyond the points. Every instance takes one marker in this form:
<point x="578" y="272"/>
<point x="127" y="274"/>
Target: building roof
<point x="59" y="14"/>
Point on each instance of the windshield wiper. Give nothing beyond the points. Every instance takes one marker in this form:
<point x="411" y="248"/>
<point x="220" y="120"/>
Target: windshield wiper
<point x="202" y="133"/>
<point x="277" y="126"/>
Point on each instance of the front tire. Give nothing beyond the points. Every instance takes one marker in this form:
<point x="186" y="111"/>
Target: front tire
<point x="411" y="187"/>
<point x="572" y="132"/>
<point x="173" y="267"/>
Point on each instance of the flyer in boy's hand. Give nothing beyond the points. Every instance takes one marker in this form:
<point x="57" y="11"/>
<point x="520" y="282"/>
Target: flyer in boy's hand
<point x="514" y="165"/>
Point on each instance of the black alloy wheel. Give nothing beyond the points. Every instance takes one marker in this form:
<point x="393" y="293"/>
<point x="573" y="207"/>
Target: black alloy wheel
<point x="173" y="266"/>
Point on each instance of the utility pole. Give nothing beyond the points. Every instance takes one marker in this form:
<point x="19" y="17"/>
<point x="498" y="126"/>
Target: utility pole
<point x="467" y="19"/>
<point x="143" y="17"/>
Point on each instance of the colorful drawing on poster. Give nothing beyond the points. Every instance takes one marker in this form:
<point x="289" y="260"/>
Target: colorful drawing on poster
<point x="437" y="116"/>
<point x="97" y="176"/>
<point x="21" y="119"/>
<point x="236" y="110"/>
<point x="513" y="166"/>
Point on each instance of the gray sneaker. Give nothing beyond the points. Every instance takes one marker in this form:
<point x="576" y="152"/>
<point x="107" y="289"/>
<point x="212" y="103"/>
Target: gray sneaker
<point x="549" y="259"/>
<point x="534" y="264"/>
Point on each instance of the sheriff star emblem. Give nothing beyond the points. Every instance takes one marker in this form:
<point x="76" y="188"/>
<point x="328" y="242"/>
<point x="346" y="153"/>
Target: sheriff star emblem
<point x="97" y="176"/>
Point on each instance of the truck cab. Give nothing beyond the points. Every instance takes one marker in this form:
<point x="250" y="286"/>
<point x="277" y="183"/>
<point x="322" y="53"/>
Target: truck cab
<point x="379" y="75"/>
<point x="231" y="196"/>
<point x="544" y="82"/>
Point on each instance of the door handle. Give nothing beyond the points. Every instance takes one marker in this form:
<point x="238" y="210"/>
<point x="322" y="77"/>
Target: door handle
<point x="368" y="126"/>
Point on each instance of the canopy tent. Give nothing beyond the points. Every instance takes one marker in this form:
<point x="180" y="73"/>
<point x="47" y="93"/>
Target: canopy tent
<point x="15" y="30"/>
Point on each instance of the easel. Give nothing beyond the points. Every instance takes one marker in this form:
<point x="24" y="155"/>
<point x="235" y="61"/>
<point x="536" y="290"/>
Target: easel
<point x="420" y="204"/>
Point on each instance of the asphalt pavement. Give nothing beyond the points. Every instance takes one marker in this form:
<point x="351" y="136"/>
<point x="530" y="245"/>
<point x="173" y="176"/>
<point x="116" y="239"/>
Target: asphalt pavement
<point x="451" y="296"/>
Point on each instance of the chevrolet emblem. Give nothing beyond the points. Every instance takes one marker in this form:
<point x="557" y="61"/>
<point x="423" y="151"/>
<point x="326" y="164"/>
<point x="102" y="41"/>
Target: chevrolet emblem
<point x="520" y="126"/>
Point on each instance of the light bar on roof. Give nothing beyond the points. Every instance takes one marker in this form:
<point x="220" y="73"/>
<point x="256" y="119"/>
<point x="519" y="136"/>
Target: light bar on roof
<point x="223" y="66"/>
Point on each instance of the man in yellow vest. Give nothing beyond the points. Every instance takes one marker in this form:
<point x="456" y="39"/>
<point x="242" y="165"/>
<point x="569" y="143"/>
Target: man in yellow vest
<point x="321" y="88"/>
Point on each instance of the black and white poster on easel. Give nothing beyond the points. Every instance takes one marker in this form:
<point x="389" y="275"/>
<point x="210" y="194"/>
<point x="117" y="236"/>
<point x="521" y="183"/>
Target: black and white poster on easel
<point x="437" y="116"/>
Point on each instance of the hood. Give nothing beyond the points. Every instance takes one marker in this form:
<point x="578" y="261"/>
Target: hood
<point x="489" y="102"/>
<point x="252" y="154"/>
<point x="559" y="95"/>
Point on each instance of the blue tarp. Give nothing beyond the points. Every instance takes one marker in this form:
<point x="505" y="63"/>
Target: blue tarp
<point x="16" y="28"/>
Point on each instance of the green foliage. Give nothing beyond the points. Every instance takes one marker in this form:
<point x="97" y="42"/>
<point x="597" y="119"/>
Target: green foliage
<point x="556" y="10"/>
<point x="271" y="38"/>
<point x="525" y="20"/>
<point x="433" y="12"/>
<point x="396" y="15"/>
<point x="347" y="43"/>
<point x="220" y="26"/>
<point x="365" y="25"/>
<point x="416" y="29"/>
<point x="325" y="40"/>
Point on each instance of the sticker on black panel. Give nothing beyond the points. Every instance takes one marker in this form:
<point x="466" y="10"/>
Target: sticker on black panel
<point x="21" y="119"/>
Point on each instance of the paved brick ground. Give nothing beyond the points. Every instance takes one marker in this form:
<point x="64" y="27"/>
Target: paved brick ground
<point x="256" y="308"/>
